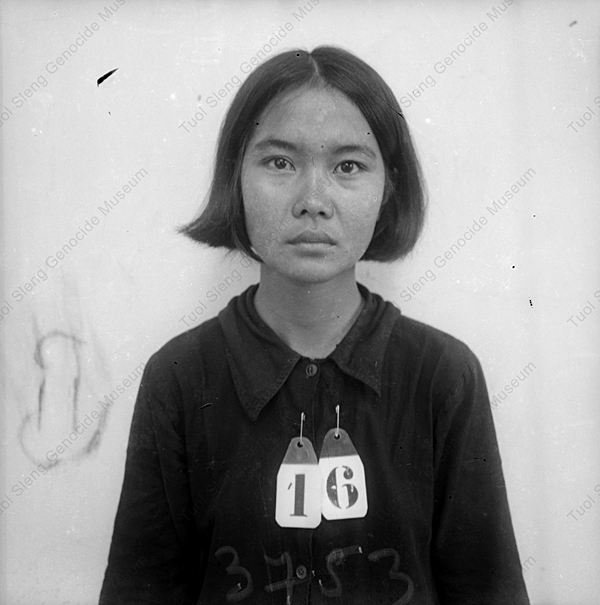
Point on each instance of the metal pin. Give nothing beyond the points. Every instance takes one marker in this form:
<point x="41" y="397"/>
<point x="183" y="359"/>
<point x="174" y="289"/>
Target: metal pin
<point x="301" y="426"/>
<point x="337" y="428"/>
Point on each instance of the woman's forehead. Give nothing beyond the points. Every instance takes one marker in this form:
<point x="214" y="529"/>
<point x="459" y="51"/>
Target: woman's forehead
<point x="320" y="117"/>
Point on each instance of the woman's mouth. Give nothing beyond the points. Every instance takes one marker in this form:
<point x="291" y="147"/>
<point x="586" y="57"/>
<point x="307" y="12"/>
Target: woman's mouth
<point x="312" y="238"/>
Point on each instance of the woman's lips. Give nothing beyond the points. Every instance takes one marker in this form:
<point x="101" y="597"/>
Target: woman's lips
<point x="312" y="237"/>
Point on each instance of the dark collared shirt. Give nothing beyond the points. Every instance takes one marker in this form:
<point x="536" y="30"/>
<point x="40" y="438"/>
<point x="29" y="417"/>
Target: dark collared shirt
<point x="217" y="408"/>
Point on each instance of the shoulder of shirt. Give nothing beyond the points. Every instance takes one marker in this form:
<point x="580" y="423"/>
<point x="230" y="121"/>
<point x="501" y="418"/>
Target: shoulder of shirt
<point x="442" y="358"/>
<point x="190" y="346"/>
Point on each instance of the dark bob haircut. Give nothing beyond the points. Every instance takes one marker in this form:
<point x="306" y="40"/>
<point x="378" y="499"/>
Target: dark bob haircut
<point x="222" y="223"/>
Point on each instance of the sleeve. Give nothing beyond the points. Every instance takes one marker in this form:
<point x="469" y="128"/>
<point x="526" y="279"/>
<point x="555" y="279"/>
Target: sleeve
<point x="151" y="558"/>
<point x="474" y="553"/>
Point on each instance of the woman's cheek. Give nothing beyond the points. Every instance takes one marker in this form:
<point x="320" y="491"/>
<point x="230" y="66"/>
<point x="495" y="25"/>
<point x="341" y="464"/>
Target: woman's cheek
<point x="252" y="226"/>
<point x="257" y="225"/>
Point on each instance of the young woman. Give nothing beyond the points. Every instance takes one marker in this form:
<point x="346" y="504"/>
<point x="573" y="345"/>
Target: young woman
<point x="311" y="444"/>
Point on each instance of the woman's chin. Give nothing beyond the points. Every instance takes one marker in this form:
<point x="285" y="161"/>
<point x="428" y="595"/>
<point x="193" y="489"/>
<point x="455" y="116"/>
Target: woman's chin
<point x="310" y="270"/>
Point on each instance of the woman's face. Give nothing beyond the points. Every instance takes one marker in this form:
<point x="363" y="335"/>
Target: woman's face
<point x="312" y="183"/>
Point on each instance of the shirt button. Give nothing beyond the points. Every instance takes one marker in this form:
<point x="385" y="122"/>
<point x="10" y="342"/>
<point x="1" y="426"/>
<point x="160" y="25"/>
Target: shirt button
<point x="301" y="572"/>
<point x="311" y="369"/>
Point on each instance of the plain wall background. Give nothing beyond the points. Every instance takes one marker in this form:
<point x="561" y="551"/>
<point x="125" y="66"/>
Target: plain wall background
<point x="501" y="109"/>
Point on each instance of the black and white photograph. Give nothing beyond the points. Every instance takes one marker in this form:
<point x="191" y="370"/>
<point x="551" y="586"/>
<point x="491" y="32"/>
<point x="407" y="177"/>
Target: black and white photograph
<point x="301" y="302"/>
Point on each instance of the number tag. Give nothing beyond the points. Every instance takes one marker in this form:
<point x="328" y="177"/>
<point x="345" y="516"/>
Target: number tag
<point x="298" y="499"/>
<point x="344" y="490"/>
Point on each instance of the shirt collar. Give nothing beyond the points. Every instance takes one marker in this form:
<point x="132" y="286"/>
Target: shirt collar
<point x="260" y="362"/>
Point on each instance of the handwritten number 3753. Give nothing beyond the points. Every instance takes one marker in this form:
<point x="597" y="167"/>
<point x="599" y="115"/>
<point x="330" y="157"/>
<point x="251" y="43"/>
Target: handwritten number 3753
<point x="335" y="557"/>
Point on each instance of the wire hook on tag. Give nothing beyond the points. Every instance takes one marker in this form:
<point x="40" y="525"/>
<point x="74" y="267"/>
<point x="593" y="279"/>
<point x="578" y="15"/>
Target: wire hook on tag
<point x="301" y="427"/>
<point x="337" y="427"/>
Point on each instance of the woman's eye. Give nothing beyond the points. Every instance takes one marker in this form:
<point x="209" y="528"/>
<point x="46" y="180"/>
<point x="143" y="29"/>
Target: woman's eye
<point x="348" y="167"/>
<point x="279" y="163"/>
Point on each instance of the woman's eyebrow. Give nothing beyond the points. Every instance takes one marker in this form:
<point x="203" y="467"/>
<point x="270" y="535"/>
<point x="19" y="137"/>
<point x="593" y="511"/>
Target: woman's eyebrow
<point x="280" y="143"/>
<point x="337" y="150"/>
<point x="363" y="149"/>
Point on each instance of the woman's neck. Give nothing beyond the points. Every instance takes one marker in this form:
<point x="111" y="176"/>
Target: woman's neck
<point x="310" y="318"/>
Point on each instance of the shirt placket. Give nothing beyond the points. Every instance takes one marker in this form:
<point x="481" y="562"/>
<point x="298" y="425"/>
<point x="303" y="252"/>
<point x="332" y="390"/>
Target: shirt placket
<point x="324" y="418"/>
<point x="297" y="565"/>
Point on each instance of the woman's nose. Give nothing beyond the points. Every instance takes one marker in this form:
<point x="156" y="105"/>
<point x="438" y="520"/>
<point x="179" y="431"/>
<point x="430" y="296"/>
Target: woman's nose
<point x="313" y="197"/>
